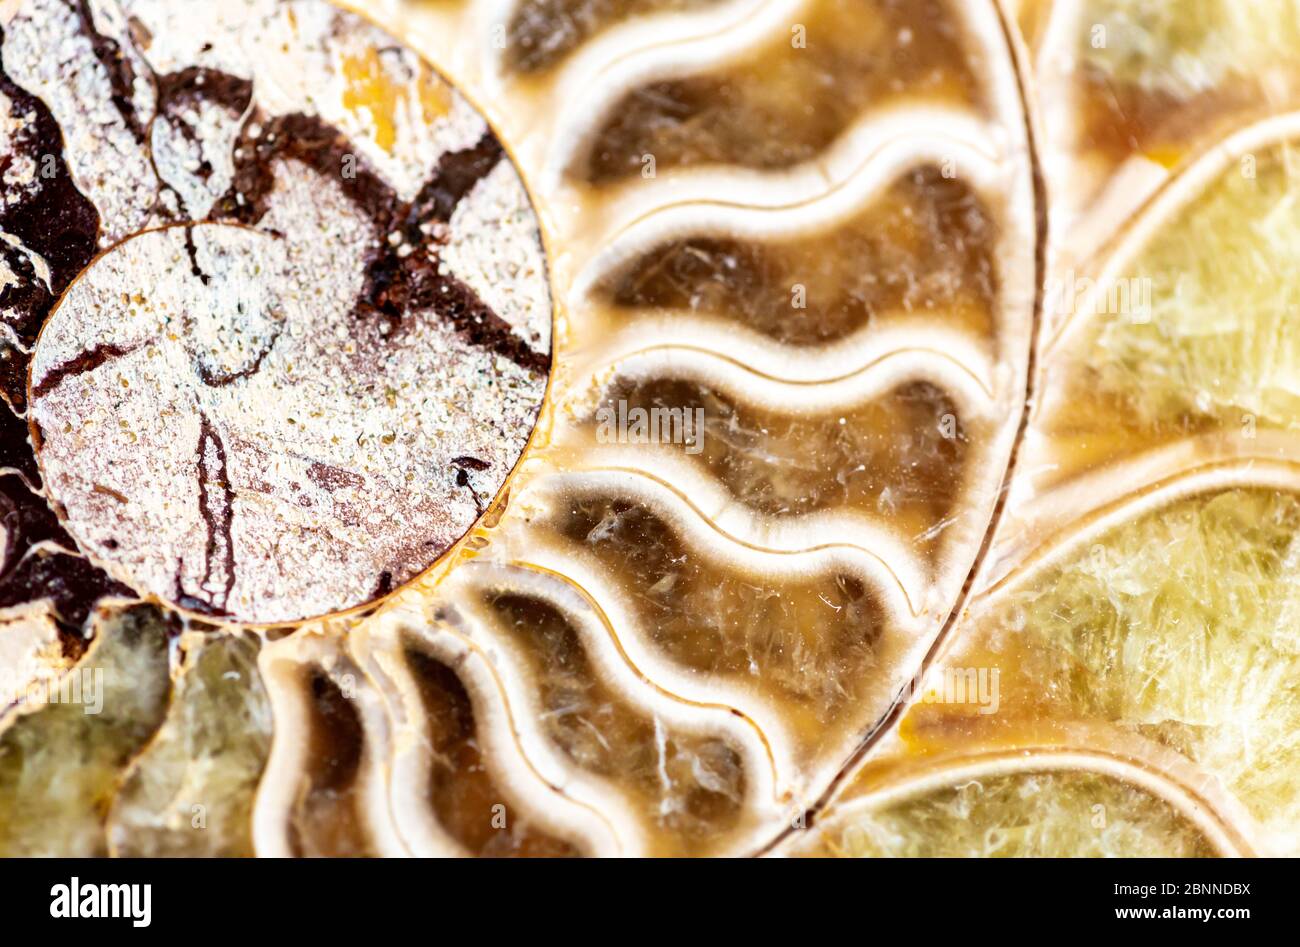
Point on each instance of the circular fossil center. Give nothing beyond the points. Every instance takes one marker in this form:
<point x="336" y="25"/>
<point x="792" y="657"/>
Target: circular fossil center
<point x="299" y="401"/>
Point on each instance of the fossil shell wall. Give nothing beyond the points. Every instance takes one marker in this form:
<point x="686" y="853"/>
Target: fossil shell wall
<point x="877" y="350"/>
<point x="815" y="224"/>
<point x="1134" y="614"/>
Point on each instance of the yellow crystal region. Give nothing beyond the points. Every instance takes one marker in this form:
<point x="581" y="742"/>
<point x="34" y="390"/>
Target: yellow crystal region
<point x="1219" y="342"/>
<point x="1021" y="815"/>
<point x="190" y="792"/>
<point x="1192" y="46"/>
<point x="61" y="757"/>
<point x="1177" y="628"/>
<point x="1160" y="81"/>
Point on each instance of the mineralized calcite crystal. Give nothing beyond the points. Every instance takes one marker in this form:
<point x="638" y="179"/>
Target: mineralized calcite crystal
<point x="318" y="538"/>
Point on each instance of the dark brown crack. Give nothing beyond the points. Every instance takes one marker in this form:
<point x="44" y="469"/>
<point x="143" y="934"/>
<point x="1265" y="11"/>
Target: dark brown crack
<point x="121" y="74"/>
<point x="193" y="252"/>
<point x="207" y="375"/>
<point x="141" y="36"/>
<point x="397" y="286"/>
<point x="52" y="219"/>
<point x="475" y="320"/>
<point x="314" y="143"/>
<point x="180" y="91"/>
<point x="463" y="465"/>
<point x="87" y="361"/>
<point x="221" y="379"/>
<point x="218" y="512"/>
<point x="400" y="279"/>
<point x="462" y="481"/>
<point x="117" y="495"/>
<point x="176" y="90"/>
<point x="333" y="478"/>
<point x="452" y="180"/>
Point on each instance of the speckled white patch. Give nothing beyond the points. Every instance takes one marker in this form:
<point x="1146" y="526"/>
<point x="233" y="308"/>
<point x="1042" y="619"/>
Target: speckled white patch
<point x="47" y="54"/>
<point x="316" y="373"/>
<point x="493" y="247"/>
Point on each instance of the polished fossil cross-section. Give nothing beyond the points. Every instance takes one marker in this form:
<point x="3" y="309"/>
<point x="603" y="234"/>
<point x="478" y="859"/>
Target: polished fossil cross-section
<point x="913" y="459"/>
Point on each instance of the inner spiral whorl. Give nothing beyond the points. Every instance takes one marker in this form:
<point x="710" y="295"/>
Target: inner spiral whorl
<point x="319" y="337"/>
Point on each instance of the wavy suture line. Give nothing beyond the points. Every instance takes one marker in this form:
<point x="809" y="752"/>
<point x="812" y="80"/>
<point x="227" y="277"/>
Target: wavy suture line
<point x="761" y="550"/>
<point x="636" y="35"/>
<point x="629" y="483"/>
<point x="629" y="832"/>
<point x="856" y="169"/>
<point x="789" y="536"/>
<point x="756" y="355"/>
<point x="906" y="636"/>
<point x="393" y="808"/>
<point x="670" y="31"/>
<point x="967" y="383"/>
<point x="787" y="788"/>
<point x="981" y="28"/>
<point x="440" y="31"/>
<point x="800" y="778"/>
<point x="1186" y="790"/>
<point x="759" y="214"/>
<point x="599" y="795"/>
<point x="380" y="644"/>
<point x="760" y="806"/>
<point x="612" y="649"/>
<point x="856" y="527"/>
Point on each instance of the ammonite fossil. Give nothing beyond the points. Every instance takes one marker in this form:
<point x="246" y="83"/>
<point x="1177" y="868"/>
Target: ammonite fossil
<point x="579" y="427"/>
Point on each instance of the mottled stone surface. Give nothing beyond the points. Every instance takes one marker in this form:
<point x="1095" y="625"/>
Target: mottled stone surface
<point x="319" y="335"/>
